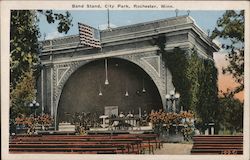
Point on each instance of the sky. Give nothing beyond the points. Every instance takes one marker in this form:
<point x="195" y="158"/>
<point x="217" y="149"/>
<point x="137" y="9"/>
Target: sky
<point x="206" y="20"/>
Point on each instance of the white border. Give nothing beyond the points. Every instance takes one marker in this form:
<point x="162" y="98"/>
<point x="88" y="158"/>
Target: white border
<point x="6" y="6"/>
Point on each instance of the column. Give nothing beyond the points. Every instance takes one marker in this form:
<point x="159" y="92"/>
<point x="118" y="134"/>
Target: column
<point x="51" y="91"/>
<point x="207" y="132"/>
<point x="42" y="90"/>
<point x="212" y="130"/>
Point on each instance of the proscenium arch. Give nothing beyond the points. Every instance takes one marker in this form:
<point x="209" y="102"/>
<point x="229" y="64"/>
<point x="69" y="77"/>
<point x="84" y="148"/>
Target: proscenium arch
<point x="111" y="61"/>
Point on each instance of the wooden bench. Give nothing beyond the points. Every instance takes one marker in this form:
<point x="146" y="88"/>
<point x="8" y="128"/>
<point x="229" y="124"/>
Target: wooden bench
<point x="134" y="142"/>
<point x="71" y="143"/>
<point x="149" y="138"/>
<point x="52" y="147"/>
<point x="129" y="141"/>
<point x="217" y="144"/>
<point x="82" y="150"/>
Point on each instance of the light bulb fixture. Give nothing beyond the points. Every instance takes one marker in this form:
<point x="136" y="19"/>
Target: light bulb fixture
<point x="177" y="95"/>
<point x="106" y="82"/>
<point x="172" y="92"/>
<point x="167" y="96"/>
<point x="34" y="105"/>
<point x="106" y="72"/>
<point x="126" y="93"/>
<point x="143" y="87"/>
<point x="100" y="91"/>
<point x="173" y="97"/>
<point x="126" y="87"/>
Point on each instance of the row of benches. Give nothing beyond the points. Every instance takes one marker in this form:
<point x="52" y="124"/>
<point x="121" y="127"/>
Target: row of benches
<point x="91" y="144"/>
<point x="217" y="144"/>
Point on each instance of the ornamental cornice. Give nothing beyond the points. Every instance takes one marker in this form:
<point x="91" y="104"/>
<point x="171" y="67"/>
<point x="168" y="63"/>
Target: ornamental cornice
<point x="130" y="33"/>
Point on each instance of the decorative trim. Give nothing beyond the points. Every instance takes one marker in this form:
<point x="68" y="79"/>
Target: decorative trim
<point x="52" y="93"/>
<point x="158" y="69"/>
<point x="42" y="91"/>
<point x="58" y="79"/>
<point x="104" y="55"/>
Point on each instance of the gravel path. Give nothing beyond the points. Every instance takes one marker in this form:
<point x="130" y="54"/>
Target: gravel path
<point x="174" y="149"/>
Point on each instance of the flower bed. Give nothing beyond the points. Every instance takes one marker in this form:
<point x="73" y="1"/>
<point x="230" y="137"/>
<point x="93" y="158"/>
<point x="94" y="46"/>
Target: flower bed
<point x="32" y="123"/>
<point x="173" y="123"/>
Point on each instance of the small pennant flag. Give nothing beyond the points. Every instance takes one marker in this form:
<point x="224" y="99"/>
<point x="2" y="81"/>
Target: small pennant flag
<point x="89" y="36"/>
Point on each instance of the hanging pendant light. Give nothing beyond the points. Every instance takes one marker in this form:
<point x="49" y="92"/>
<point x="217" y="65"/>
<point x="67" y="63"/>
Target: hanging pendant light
<point x="100" y="91"/>
<point x="143" y="88"/>
<point x="126" y="93"/>
<point x="106" y="72"/>
<point x="106" y="82"/>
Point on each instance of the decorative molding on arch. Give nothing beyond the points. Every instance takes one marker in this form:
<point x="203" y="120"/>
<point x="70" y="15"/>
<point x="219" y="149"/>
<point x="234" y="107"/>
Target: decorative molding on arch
<point x="154" y="62"/>
<point x="67" y="70"/>
<point x="62" y="72"/>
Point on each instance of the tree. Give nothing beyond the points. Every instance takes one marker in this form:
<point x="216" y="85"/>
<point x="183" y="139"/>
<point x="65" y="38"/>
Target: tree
<point x="23" y="45"/>
<point x="23" y="93"/>
<point x="207" y="105"/>
<point x="64" y="20"/>
<point x="24" y="50"/>
<point x="230" y="28"/>
<point x="232" y="111"/>
<point x="202" y="76"/>
<point x="24" y="34"/>
<point x="194" y="69"/>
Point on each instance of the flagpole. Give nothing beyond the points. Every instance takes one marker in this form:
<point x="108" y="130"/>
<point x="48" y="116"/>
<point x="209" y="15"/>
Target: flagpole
<point x="106" y="60"/>
<point x="109" y="27"/>
<point x="108" y="21"/>
<point x="100" y="38"/>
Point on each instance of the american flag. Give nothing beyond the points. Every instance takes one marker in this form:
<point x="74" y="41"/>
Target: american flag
<point x="89" y="36"/>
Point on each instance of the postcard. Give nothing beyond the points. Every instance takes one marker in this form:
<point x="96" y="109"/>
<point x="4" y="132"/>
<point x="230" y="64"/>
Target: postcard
<point x="125" y="79"/>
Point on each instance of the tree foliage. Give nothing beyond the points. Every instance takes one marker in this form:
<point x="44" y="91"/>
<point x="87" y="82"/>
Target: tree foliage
<point x="24" y="51"/>
<point x="207" y="105"/>
<point x="177" y="63"/>
<point x="193" y="71"/>
<point x="230" y="28"/>
<point x="232" y="111"/>
<point x="23" y="45"/>
<point x="195" y="79"/>
<point x="22" y="94"/>
<point x="64" y="20"/>
<point x="202" y="76"/>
